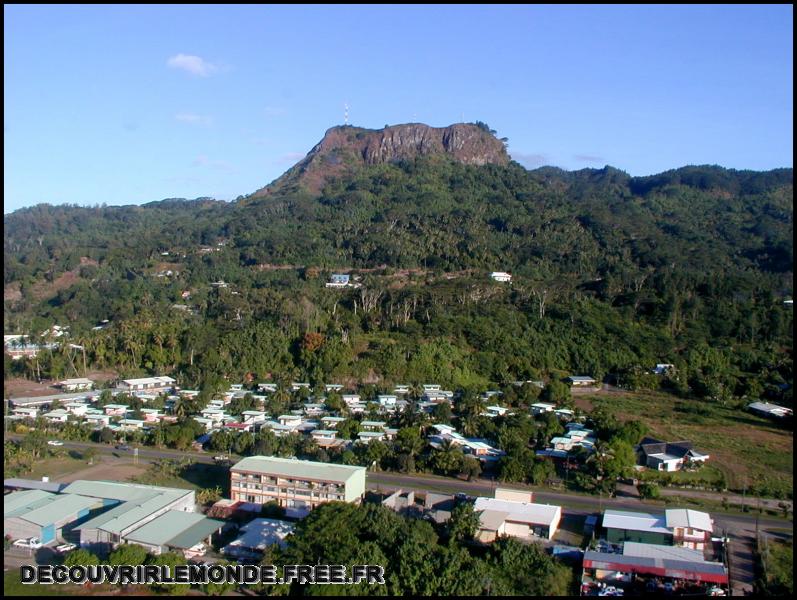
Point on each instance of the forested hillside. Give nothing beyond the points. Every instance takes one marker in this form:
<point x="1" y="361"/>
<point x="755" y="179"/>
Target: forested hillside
<point x="612" y="274"/>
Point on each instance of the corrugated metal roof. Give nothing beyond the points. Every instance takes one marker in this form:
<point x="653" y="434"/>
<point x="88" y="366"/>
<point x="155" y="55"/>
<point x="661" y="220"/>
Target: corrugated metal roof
<point x="665" y="552"/>
<point x="259" y="534"/>
<point x="297" y="469"/>
<point x="686" y="517"/>
<point x="44" y="508"/>
<point x="129" y="513"/>
<point x="195" y="533"/>
<point x="116" y="490"/>
<point x="34" y="484"/>
<point x="635" y="521"/>
<point x="703" y="571"/>
<point x="166" y="527"/>
<point x="138" y="502"/>
<point x="521" y="512"/>
<point x="59" y="508"/>
<point x="18" y="502"/>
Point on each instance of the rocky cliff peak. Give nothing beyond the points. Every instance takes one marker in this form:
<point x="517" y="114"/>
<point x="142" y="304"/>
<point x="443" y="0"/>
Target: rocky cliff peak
<point x="344" y="148"/>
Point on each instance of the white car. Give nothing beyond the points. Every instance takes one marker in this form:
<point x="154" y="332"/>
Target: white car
<point x="55" y="443"/>
<point x="64" y="548"/>
<point x="33" y="543"/>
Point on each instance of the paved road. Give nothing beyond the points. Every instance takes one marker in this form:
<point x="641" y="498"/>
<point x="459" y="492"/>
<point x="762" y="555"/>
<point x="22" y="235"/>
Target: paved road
<point x="388" y="481"/>
<point x="740" y="529"/>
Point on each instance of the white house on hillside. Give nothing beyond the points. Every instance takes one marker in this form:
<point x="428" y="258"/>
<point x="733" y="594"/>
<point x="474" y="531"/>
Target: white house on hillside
<point x="500" y="276"/>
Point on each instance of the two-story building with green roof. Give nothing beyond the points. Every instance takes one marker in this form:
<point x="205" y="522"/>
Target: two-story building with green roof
<point x="297" y="485"/>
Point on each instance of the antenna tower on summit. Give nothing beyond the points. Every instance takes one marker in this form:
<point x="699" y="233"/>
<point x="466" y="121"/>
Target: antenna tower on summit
<point x="345" y="113"/>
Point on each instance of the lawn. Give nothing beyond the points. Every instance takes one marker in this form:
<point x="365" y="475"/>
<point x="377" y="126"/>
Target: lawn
<point x="750" y="451"/>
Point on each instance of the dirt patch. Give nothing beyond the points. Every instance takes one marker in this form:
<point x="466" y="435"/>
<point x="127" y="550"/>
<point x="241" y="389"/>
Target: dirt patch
<point x="19" y="387"/>
<point x="43" y="289"/>
<point x="12" y="293"/>
<point x="270" y="267"/>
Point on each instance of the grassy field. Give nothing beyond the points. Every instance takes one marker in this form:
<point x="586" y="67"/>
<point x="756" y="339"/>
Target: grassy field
<point x="749" y="451"/>
<point x="56" y="467"/>
<point x="194" y="477"/>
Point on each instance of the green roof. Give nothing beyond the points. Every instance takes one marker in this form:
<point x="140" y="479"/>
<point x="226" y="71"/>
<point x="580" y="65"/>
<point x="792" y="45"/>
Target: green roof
<point x="195" y="533"/>
<point x="45" y="509"/>
<point x="167" y="526"/>
<point x="138" y="502"/>
<point x="296" y="469"/>
<point x="115" y="490"/>
<point x="18" y="503"/>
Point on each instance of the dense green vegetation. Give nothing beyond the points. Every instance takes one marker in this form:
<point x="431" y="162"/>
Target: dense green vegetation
<point x="775" y="568"/>
<point x="419" y="559"/>
<point x="612" y="274"/>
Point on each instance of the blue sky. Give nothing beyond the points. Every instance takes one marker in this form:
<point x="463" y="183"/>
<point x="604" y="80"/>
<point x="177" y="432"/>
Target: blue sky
<point x="130" y="104"/>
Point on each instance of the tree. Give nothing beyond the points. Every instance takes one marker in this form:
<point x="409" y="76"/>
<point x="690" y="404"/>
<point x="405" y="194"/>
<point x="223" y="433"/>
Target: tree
<point x="218" y="589"/>
<point x="471" y="467"/>
<point x="556" y="392"/>
<point x="81" y="557"/>
<point x="442" y="413"/>
<point x="208" y="495"/>
<point x="171" y="560"/>
<point x="464" y="522"/>
<point x="128" y="554"/>
<point x="448" y="459"/>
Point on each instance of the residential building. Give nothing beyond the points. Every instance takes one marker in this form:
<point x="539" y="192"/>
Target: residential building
<point x="766" y="409"/>
<point x="580" y="380"/>
<point x="691" y="528"/>
<point x="76" y="408"/>
<point x="539" y="408"/>
<point x="27" y="412"/>
<point x="76" y="385"/>
<point x="501" y="276"/>
<point x="57" y="416"/>
<point x="523" y="520"/>
<point x="662" y="368"/>
<point x="297" y="485"/>
<point x="668" y="456"/>
<point x="338" y="280"/>
<point x="146" y="383"/>
<point x="366" y="437"/>
<point x="626" y="526"/>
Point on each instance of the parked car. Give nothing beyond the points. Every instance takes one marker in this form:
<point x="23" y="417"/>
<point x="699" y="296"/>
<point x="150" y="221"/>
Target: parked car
<point x="29" y="543"/>
<point x="55" y="443"/>
<point x="64" y="548"/>
<point x="716" y="591"/>
<point x="221" y="458"/>
<point x="123" y="447"/>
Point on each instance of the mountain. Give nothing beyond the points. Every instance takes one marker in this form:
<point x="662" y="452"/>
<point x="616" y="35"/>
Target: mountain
<point x="345" y="149"/>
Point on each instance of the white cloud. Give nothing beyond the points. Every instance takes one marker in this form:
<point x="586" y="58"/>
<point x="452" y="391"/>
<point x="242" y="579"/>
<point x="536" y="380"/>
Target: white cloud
<point x="194" y="118"/>
<point x="195" y="65"/>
